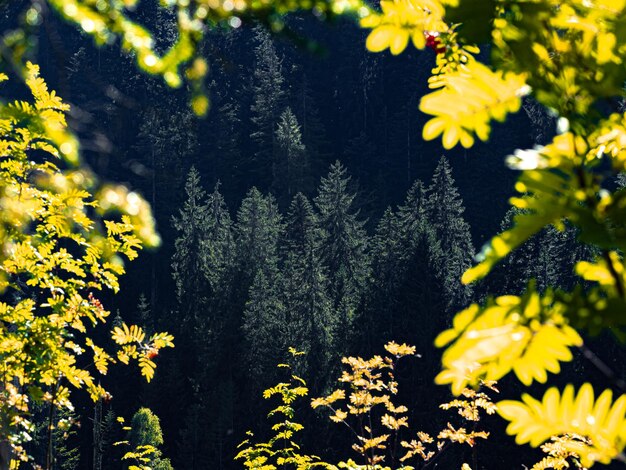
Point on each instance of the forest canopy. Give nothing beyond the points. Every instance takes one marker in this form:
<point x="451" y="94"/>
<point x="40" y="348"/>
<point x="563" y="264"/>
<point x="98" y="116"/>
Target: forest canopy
<point x="296" y="267"/>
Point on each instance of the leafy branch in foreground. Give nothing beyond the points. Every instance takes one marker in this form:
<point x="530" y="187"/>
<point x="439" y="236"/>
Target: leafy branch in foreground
<point x="62" y="239"/>
<point x="568" y="54"/>
<point x="599" y="425"/>
<point x="182" y="62"/>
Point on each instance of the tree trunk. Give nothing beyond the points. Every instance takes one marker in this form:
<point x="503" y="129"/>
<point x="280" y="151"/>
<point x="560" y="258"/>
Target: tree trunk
<point x="97" y="436"/>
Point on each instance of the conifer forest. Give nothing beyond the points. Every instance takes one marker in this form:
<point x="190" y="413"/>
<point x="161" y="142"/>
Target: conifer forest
<point x="300" y="234"/>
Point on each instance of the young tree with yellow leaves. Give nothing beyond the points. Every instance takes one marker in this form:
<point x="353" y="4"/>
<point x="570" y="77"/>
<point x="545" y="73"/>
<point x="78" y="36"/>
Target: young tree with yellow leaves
<point x="62" y="239"/>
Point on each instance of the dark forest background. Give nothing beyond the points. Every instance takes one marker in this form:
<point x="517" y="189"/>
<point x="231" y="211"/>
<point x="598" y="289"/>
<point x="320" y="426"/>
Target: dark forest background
<point x="305" y="210"/>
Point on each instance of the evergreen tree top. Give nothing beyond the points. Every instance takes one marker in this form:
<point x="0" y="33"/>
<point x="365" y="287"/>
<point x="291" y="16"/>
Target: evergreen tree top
<point x="444" y="196"/>
<point x="194" y="207"/>
<point x="302" y="227"/>
<point x="288" y="132"/>
<point x="413" y="212"/>
<point x="333" y="194"/>
<point x="258" y="228"/>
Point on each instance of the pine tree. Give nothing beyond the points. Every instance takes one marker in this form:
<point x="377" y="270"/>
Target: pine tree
<point x="219" y="243"/>
<point x="189" y="262"/>
<point x="422" y="298"/>
<point x="268" y="96"/>
<point x="257" y="231"/>
<point x="264" y="328"/>
<point x="387" y="271"/>
<point x="311" y="322"/>
<point x="413" y="213"/>
<point x="291" y="161"/>
<point x="254" y="283"/>
<point x="108" y="431"/>
<point x="405" y="299"/>
<point x="548" y="258"/>
<point x="344" y="251"/>
<point x="167" y="137"/>
<point x="445" y="211"/>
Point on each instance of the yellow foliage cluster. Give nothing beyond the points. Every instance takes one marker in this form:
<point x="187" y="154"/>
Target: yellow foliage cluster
<point x="402" y="20"/>
<point x="60" y="246"/>
<point x="570" y="55"/>
<point x="480" y="95"/>
<point x="368" y="409"/>
<point x="562" y="452"/>
<point x="600" y="424"/>
<point x="371" y="386"/>
<point x="527" y="335"/>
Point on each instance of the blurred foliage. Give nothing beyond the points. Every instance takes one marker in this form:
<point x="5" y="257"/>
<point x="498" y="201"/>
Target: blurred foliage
<point x="569" y="55"/>
<point x="112" y="21"/>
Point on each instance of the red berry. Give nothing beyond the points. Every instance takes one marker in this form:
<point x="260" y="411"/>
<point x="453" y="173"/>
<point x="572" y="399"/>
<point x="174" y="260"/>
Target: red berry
<point x="433" y="42"/>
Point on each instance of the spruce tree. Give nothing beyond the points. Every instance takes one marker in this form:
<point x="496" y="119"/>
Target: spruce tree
<point x="264" y="328"/>
<point x="311" y="321"/>
<point x="189" y="262"/>
<point x="108" y="431"/>
<point x="344" y="251"/>
<point x="204" y="263"/>
<point x="421" y="283"/>
<point x="387" y="271"/>
<point x="291" y="161"/>
<point x="254" y="295"/>
<point x="413" y="213"/>
<point x="445" y="211"/>
<point x="167" y="138"/>
<point x="268" y="97"/>
<point x="259" y="225"/>
<point x="219" y="241"/>
<point x="548" y="258"/>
